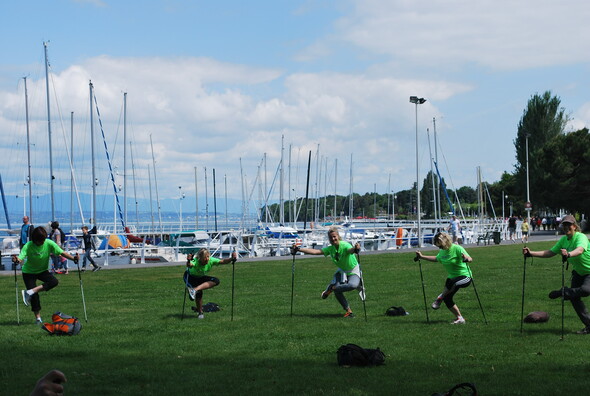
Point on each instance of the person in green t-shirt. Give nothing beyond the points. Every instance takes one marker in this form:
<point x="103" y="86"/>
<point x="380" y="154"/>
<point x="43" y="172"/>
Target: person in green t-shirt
<point x="196" y="278"/>
<point x="37" y="252"/>
<point x="453" y="258"/>
<point x="348" y="276"/>
<point x="573" y="247"/>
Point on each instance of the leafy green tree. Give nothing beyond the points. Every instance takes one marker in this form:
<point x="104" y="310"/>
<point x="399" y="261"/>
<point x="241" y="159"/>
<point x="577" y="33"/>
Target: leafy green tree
<point x="542" y="120"/>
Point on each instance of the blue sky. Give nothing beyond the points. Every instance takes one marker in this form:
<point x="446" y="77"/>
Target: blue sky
<point x="216" y="82"/>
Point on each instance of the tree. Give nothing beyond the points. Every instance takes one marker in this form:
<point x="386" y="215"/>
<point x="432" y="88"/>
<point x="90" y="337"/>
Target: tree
<point x="542" y="120"/>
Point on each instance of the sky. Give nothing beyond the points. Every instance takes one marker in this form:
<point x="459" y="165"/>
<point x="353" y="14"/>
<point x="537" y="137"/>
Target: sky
<point x="234" y="86"/>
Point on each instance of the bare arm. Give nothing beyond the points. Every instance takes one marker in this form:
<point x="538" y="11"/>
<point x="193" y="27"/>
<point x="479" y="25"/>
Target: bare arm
<point x="538" y="253"/>
<point x="420" y="256"/>
<point x="295" y="249"/>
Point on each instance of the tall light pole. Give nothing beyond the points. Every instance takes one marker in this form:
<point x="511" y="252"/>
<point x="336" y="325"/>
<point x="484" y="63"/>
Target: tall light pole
<point x="528" y="198"/>
<point x="416" y="100"/>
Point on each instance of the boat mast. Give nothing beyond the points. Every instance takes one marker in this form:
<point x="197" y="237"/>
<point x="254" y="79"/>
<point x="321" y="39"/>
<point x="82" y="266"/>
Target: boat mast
<point x="281" y="198"/>
<point x="156" y="186"/>
<point x="125" y="157"/>
<point x="29" y="180"/>
<point x="49" y="132"/>
<point x="72" y="176"/>
<point x="196" y="202"/>
<point x="94" y="179"/>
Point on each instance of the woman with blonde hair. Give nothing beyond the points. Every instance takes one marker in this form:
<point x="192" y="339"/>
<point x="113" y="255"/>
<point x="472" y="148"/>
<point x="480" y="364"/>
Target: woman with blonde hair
<point x="348" y="276"/>
<point x="453" y="258"/>
<point x="196" y="277"/>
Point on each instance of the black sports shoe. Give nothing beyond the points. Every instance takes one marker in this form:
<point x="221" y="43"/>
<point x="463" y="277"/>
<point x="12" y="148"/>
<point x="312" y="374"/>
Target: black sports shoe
<point x="556" y="294"/>
<point x="585" y="330"/>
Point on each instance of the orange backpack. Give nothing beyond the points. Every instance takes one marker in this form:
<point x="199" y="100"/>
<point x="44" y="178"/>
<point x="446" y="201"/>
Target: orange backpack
<point x="62" y="324"/>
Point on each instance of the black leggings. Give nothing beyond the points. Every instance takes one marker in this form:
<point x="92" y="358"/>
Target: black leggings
<point x="452" y="286"/>
<point x="49" y="282"/>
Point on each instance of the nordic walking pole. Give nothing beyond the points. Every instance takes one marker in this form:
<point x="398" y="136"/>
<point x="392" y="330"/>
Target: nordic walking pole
<point x="523" y="283"/>
<point x="14" y="265"/>
<point x="304" y="229"/>
<point x="423" y="290"/>
<point x="476" y="293"/>
<point x="233" y="271"/>
<point x="363" y="292"/>
<point x="185" y="277"/>
<point x="77" y="262"/>
<point x="564" y="260"/>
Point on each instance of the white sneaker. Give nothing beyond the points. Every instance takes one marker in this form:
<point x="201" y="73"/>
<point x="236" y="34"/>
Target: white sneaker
<point x="191" y="293"/>
<point x="201" y="316"/>
<point x="362" y="293"/>
<point x="436" y="304"/>
<point x="39" y="321"/>
<point x="460" y="320"/>
<point x="26" y="297"/>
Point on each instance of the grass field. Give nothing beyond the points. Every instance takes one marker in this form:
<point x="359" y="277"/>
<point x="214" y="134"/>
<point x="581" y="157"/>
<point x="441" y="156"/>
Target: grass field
<point x="135" y="342"/>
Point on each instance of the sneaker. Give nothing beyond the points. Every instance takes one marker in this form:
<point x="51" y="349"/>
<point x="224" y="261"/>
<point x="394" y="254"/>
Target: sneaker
<point x="83" y="269"/>
<point x="26" y="297"/>
<point x="191" y="293"/>
<point x="585" y="330"/>
<point x="349" y="315"/>
<point x="39" y="321"/>
<point x="201" y="316"/>
<point x="458" y="321"/>
<point x="97" y="268"/>
<point x="362" y="294"/>
<point x="326" y="293"/>
<point x="436" y="304"/>
<point x="556" y="294"/>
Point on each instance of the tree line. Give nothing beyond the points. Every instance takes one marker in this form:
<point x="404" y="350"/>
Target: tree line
<point x="558" y="178"/>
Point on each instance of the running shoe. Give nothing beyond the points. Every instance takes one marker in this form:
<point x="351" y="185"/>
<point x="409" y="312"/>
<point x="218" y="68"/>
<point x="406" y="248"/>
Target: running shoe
<point x="326" y="293"/>
<point x="201" y="316"/>
<point x="39" y="321"/>
<point x="191" y="293"/>
<point x="26" y="297"/>
<point x="436" y="304"/>
<point x="97" y="268"/>
<point x="458" y="321"/>
<point x="349" y="315"/>
<point x="585" y="330"/>
<point x="556" y="294"/>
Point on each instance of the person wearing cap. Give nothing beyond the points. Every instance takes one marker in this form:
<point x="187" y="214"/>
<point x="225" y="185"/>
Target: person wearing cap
<point x="573" y="247"/>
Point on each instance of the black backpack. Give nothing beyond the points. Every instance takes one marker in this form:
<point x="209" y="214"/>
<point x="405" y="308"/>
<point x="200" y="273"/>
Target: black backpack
<point x="354" y="355"/>
<point x="396" y="311"/>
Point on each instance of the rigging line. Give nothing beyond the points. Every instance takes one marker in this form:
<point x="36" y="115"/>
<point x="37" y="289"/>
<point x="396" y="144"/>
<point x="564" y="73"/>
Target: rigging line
<point x="452" y="184"/>
<point x="109" y="162"/>
<point x="70" y="161"/>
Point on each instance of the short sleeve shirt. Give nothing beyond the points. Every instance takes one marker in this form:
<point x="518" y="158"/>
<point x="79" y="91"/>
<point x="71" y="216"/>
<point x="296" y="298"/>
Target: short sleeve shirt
<point x="452" y="261"/>
<point x="38" y="256"/>
<point x="200" y="270"/>
<point x="341" y="257"/>
<point x="581" y="263"/>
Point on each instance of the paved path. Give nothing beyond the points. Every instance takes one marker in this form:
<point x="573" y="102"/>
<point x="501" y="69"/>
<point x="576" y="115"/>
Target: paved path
<point x="537" y="236"/>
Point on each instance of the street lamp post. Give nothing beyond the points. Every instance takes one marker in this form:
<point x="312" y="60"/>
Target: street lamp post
<point x="416" y="100"/>
<point x="528" y="198"/>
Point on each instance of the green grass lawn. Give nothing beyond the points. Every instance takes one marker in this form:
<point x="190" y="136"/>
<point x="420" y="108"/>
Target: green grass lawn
<point x="135" y="342"/>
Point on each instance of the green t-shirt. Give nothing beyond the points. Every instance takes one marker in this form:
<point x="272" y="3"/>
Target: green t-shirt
<point x="38" y="256"/>
<point x="581" y="263"/>
<point x="201" y="270"/>
<point x="452" y="261"/>
<point x="341" y="257"/>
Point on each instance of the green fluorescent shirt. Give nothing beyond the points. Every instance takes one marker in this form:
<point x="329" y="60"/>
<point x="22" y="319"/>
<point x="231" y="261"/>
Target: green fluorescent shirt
<point x="201" y="270"/>
<point x="38" y="256"/>
<point x="452" y="261"/>
<point x="581" y="263"/>
<point x="341" y="256"/>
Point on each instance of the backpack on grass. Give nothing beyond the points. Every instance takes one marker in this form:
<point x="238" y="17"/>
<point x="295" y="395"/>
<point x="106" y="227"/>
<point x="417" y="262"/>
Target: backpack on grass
<point x="396" y="311"/>
<point x="62" y="324"/>
<point x="354" y="355"/>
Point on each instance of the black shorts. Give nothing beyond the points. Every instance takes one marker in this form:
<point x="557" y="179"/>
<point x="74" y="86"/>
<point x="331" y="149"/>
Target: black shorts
<point x="195" y="281"/>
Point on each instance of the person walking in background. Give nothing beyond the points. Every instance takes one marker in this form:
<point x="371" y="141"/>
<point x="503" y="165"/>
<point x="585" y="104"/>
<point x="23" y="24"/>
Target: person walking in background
<point x="512" y="228"/>
<point x="196" y="278"/>
<point x="37" y="253"/>
<point x="524" y="228"/>
<point x="26" y="230"/>
<point x="453" y="258"/>
<point x="348" y="276"/>
<point x="455" y="229"/>
<point x="573" y="246"/>
<point x="60" y="264"/>
<point x="88" y="246"/>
